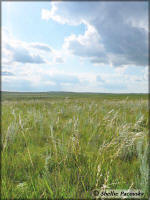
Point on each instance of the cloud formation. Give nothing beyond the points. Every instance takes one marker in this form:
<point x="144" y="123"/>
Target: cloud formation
<point x="7" y="73"/>
<point x="22" y="55"/>
<point x="21" y="52"/>
<point x="43" y="47"/>
<point x="117" y="32"/>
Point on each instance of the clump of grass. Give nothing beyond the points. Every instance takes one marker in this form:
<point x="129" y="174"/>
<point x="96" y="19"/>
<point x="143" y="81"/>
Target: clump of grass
<point x="142" y="149"/>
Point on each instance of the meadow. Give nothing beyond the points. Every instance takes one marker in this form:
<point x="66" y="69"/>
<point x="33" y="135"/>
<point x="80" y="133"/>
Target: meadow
<point x="65" y="145"/>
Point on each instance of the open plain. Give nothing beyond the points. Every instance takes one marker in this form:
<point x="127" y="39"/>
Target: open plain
<point x="65" y="145"/>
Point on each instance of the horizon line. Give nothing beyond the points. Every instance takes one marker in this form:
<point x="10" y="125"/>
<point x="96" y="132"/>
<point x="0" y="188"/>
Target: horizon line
<point x="76" y="92"/>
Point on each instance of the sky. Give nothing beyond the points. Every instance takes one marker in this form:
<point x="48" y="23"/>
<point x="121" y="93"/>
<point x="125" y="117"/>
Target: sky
<point x="75" y="46"/>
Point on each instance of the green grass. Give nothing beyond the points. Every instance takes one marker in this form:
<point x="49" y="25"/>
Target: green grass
<point x="58" y="147"/>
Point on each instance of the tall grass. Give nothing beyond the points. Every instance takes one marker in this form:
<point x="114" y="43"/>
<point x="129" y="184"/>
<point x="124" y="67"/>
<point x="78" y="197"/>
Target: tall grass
<point x="65" y="148"/>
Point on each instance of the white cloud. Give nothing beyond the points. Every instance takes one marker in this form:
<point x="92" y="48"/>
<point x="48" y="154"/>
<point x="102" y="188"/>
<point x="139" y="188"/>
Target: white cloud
<point x="146" y="74"/>
<point x="88" y="45"/>
<point x="52" y="14"/>
<point x="40" y="46"/>
<point x="121" y="70"/>
<point x="117" y="32"/>
<point x="16" y="51"/>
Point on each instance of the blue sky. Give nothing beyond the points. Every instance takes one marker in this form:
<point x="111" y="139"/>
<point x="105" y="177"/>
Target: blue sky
<point x="75" y="46"/>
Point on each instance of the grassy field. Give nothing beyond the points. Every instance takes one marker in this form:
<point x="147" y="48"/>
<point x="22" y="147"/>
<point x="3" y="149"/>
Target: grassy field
<point x="64" y="145"/>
